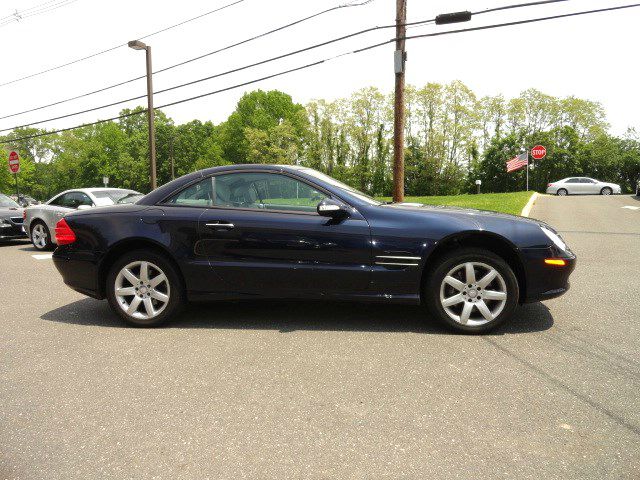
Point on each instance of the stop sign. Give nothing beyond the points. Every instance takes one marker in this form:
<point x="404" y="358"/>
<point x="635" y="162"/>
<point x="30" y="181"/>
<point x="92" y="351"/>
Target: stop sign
<point x="538" y="152"/>
<point x="14" y="162"/>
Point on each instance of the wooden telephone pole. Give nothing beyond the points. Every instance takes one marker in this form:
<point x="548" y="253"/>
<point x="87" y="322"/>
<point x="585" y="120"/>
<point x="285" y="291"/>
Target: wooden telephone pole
<point x="400" y="57"/>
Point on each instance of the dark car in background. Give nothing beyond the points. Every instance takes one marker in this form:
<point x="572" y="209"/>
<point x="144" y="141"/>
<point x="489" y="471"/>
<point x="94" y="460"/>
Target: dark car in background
<point x="11" y="219"/>
<point x="286" y="232"/>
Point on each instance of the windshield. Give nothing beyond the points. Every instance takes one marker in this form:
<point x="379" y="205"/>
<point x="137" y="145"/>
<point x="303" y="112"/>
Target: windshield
<point x="111" y="196"/>
<point x="131" y="198"/>
<point x="7" y="202"/>
<point x="332" y="181"/>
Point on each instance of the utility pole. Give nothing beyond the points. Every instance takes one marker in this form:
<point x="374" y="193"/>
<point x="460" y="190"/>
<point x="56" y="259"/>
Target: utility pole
<point x="400" y="58"/>
<point x="173" y="172"/>
<point x="138" y="45"/>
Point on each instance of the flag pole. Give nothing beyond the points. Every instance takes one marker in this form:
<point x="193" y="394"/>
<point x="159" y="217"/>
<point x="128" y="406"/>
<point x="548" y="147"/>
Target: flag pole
<point x="527" y="167"/>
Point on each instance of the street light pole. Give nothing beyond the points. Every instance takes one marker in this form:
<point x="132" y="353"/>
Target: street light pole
<point x="138" y="45"/>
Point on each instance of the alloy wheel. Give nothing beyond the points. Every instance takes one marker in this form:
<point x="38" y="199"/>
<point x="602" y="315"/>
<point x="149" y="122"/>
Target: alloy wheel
<point x="473" y="293"/>
<point x="39" y="236"/>
<point x="142" y="290"/>
<point x="606" y="191"/>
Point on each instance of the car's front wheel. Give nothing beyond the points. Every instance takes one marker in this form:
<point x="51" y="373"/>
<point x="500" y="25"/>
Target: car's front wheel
<point x="606" y="191"/>
<point x="471" y="290"/>
<point x="144" y="289"/>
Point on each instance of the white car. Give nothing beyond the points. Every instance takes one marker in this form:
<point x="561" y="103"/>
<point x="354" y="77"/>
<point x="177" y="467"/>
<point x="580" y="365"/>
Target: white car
<point x="40" y="220"/>
<point x="582" y="186"/>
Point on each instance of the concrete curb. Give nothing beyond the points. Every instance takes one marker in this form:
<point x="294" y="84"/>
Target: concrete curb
<point x="527" y="208"/>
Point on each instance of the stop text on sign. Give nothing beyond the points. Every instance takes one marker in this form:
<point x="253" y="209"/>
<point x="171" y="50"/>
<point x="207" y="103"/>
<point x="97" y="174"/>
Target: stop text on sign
<point x="538" y="152"/>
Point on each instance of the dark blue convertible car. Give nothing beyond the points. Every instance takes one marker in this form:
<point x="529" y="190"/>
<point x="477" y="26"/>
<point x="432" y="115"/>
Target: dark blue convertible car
<point x="287" y="232"/>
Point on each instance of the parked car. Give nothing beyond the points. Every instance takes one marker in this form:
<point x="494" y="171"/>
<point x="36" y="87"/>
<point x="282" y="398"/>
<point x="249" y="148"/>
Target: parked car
<point x="10" y="219"/>
<point x="264" y="231"/>
<point x="40" y="220"/>
<point x="582" y="186"/>
<point x="24" y="200"/>
<point x="638" y="188"/>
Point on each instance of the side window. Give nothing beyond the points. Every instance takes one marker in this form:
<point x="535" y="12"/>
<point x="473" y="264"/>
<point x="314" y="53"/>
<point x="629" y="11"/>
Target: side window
<point x="81" y="198"/>
<point x="74" y="200"/>
<point x="58" y="201"/>
<point x="197" y="195"/>
<point x="573" y="180"/>
<point x="268" y="191"/>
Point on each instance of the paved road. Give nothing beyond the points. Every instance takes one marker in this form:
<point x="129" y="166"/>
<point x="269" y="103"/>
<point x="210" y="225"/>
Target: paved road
<point x="262" y="391"/>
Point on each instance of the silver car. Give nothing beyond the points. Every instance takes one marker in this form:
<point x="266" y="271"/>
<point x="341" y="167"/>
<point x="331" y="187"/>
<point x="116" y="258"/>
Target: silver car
<point x="582" y="186"/>
<point x="40" y="220"/>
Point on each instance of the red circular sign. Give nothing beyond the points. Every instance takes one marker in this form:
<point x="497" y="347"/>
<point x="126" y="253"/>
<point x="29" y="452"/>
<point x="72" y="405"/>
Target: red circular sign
<point x="14" y="162"/>
<point x="538" y="152"/>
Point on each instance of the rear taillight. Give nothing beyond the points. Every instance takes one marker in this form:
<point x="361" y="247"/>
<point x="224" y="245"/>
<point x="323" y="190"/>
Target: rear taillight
<point x="549" y="184"/>
<point x="64" y="234"/>
<point x="24" y="214"/>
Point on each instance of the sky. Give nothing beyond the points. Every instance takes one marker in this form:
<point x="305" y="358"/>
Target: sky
<point x="594" y="57"/>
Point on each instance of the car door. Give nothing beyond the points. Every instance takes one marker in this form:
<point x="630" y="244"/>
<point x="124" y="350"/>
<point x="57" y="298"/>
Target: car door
<point x="59" y="207"/>
<point x="591" y="186"/>
<point x="573" y="186"/>
<point x="263" y="236"/>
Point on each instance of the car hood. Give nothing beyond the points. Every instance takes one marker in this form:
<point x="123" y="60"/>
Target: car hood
<point x="440" y="222"/>
<point x="10" y="212"/>
<point x="479" y="217"/>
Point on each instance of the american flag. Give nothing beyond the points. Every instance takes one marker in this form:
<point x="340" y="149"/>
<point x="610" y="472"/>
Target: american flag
<point x="518" y="162"/>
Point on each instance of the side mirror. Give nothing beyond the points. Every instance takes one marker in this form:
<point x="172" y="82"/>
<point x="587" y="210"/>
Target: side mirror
<point x="332" y="209"/>
<point x="84" y="207"/>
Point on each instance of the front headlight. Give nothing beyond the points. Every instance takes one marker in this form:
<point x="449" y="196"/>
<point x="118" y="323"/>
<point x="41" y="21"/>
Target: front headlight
<point x="555" y="238"/>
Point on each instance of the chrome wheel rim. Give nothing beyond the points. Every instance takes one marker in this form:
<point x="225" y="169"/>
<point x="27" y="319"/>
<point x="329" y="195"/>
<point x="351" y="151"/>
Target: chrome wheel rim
<point x="39" y="236"/>
<point x="562" y="193"/>
<point x="473" y="294"/>
<point x="606" y="191"/>
<point x="142" y="290"/>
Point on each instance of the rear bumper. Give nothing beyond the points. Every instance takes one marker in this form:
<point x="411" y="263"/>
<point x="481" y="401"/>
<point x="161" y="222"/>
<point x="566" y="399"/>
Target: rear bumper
<point x="81" y="274"/>
<point x="547" y="281"/>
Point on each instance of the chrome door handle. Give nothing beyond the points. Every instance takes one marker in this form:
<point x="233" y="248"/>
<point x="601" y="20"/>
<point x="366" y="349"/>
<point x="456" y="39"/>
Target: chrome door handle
<point x="220" y="225"/>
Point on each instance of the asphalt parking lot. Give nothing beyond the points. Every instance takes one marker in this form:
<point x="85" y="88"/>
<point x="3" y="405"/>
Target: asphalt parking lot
<point x="310" y="390"/>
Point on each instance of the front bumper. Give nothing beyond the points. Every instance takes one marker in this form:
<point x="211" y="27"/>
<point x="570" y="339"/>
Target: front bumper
<point x="546" y="281"/>
<point x="12" y="232"/>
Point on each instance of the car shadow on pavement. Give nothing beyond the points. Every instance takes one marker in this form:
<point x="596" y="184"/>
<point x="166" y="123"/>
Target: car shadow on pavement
<point x="298" y="315"/>
<point x="13" y="243"/>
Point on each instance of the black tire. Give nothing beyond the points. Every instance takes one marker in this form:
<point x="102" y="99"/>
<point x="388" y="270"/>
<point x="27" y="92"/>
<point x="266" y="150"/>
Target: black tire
<point x="451" y="260"/>
<point x="177" y="298"/>
<point x="48" y="244"/>
<point x="606" y="191"/>
<point x="562" y="192"/>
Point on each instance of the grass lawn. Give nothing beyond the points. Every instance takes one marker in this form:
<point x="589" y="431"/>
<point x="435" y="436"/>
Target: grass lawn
<point x="512" y="202"/>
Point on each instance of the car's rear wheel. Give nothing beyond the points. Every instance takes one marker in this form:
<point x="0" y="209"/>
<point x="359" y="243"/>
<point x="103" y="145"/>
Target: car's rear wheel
<point x="606" y="191"/>
<point x="144" y="289"/>
<point x="471" y="290"/>
<point x="40" y="236"/>
<point x="562" y="192"/>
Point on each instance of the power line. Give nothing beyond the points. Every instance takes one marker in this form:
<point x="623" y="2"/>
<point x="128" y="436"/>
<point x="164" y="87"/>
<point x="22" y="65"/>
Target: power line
<point x="119" y="46"/>
<point x="410" y="24"/>
<point x="217" y="75"/>
<point x="309" y="65"/>
<point x="228" y="47"/>
<point x="17" y="13"/>
<point x="19" y="16"/>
